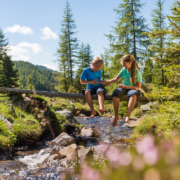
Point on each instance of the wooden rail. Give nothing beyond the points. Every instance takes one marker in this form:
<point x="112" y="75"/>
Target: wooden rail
<point x="64" y="95"/>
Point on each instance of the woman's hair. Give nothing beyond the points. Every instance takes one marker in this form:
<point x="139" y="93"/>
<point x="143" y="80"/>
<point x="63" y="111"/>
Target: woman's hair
<point x="128" y="58"/>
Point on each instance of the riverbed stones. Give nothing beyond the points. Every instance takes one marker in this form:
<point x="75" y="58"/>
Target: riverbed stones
<point x="68" y="153"/>
<point x="86" y="132"/>
<point x="132" y="124"/>
<point x="90" y="132"/>
<point x="62" y="140"/>
<point x="65" y="113"/>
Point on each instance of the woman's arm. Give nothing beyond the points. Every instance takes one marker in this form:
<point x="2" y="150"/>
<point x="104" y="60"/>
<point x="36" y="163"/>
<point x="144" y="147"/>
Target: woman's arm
<point x="131" y="87"/>
<point x="112" y="81"/>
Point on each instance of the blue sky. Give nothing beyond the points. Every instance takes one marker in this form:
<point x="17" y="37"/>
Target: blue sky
<point x="33" y="27"/>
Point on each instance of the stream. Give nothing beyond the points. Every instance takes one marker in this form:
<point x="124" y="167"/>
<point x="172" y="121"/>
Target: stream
<point x="28" y="164"/>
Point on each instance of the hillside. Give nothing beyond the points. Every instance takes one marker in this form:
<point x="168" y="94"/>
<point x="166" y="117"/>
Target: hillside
<point x="42" y="78"/>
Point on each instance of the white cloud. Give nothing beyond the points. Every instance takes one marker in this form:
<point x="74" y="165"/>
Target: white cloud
<point x="19" y="29"/>
<point x="51" y="67"/>
<point x="23" y="50"/>
<point x="36" y="48"/>
<point x="48" y="34"/>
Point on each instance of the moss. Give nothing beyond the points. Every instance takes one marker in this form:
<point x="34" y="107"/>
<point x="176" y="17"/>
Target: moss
<point x="26" y="128"/>
<point x="7" y="138"/>
<point x="41" y="98"/>
<point x="7" y="111"/>
<point x="158" y="124"/>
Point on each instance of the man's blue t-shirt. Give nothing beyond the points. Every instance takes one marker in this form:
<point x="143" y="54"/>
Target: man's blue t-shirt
<point x="90" y="75"/>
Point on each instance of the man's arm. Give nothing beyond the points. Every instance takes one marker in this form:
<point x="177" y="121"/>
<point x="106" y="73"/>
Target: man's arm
<point x="94" y="82"/>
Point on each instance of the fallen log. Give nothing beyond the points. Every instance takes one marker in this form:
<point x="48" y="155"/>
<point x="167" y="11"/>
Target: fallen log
<point x="63" y="95"/>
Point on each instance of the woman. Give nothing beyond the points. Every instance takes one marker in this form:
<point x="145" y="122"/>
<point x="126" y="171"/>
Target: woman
<point x="132" y="82"/>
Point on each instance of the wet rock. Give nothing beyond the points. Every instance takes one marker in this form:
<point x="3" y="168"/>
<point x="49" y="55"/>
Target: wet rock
<point x="90" y="132"/>
<point x="62" y="140"/>
<point x="65" y="113"/>
<point x="145" y="107"/>
<point x="68" y="153"/>
<point x="80" y="141"/>
<point x="132" y="124"/>
<point x="83" y="152"/>
<point x="96" y="133"/>
<point x="72" y="120"/>
<point x="86" y="132"/>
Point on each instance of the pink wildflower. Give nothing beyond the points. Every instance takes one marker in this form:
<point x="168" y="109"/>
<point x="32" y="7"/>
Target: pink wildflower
<point x="146" y="143"/>
<point x="113" y="154"/>
<point x="102" y="148"/>
<point x="151" y="156"/>
<point x="88" y="173"/>
<point x="125" y="159"/>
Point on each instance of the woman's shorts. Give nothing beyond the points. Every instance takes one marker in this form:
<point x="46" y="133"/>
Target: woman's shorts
<point x="119" y="92"/>
<point x="95" y="90"/>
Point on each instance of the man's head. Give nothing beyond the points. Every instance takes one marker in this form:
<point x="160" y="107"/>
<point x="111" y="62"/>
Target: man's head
<point x="97" y="63"/>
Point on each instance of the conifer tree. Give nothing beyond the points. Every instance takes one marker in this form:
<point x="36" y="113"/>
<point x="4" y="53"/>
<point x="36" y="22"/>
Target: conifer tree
<point x="157" y="37"/>
<point x="3" y="43"/>
<point x="84" y="60"/>
<point x="148" y="70"/>
<point x="67" y="49"/>
<point x="172" y="59"/>
<point x="127" y="37"/>
<point x="10" y="74"/>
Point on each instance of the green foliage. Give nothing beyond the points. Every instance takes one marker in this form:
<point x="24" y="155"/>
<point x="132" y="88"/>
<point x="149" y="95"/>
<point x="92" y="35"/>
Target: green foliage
<point x="35" y="77"/>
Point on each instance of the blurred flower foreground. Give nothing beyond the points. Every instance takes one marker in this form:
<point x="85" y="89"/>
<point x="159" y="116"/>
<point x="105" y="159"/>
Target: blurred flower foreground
<point x="148" y="158"/>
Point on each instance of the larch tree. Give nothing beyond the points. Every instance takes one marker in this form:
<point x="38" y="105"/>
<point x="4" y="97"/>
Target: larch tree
<point x="67" y="50"/>
<point x="157" y="36"/>
<point x="127" y="36"/>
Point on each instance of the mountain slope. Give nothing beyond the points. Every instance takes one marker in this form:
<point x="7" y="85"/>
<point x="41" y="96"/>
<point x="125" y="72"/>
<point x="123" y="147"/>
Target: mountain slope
<point x="42" y="78"/>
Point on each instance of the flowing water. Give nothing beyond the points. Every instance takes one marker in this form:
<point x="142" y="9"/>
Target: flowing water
<point x="28" y="165"/>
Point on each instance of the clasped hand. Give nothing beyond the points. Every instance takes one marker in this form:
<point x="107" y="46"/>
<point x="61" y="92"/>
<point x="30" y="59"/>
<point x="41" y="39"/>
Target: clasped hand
<point x="94" y="82"/>
<point x="121" y="86"/>
<point x="103" y="82"/>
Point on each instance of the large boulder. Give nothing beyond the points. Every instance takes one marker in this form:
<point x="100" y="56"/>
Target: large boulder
<point x="65" y="113"/>
<point x="62" y="140"/>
